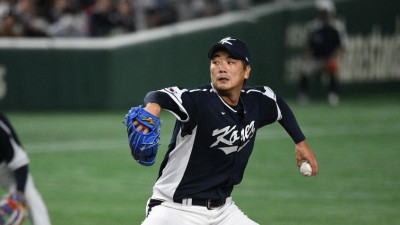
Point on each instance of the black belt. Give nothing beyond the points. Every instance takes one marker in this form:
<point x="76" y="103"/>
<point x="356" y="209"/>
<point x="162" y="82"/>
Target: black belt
<point x="209" y="203"/>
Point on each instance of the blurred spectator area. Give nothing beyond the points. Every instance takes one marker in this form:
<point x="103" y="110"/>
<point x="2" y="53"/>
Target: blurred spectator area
<point x="99" y="18"/>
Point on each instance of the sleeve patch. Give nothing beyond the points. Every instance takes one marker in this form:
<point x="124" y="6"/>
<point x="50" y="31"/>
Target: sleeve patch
<point x="176" y="95"/>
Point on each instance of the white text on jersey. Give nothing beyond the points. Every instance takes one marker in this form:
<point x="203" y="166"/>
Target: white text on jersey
<point x="232" y="135"/>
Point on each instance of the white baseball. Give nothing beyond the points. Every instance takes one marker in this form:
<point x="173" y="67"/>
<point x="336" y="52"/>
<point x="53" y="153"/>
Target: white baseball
<point x="305" y="169"/>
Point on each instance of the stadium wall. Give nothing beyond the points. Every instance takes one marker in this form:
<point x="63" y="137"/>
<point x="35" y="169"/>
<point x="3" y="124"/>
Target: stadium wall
<point x="117" y="72"/>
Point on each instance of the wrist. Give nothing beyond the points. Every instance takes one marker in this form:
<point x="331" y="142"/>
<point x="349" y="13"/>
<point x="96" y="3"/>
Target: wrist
<point x="153" y="108"/>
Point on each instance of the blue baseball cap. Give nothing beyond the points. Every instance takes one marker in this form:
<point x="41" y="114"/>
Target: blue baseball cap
<point x="234" y="47"/>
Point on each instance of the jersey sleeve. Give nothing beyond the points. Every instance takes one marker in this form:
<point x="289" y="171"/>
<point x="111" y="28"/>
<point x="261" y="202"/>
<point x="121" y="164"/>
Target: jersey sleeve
<point x="310" y="28"/>
<point x="174" y="100"/>
<point x="273" y="108"/>
<point x="289" y="122"/>
<point x="269" y="109"/>
<point x="14" y="155"/>
<point x="341" y="28"/>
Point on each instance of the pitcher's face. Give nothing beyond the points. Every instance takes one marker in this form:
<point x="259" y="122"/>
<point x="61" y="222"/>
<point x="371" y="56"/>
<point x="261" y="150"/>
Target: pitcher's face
<point x="227" y="73"/>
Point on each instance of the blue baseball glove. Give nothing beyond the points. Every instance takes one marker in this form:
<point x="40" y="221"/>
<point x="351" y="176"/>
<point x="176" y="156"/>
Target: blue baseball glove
<point x="143" y="146"/>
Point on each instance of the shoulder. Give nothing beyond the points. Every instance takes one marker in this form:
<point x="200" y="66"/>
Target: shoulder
<point x="339" y="25"/>
<point x="175" y="90"/>
<point x="260" y="91"/>
<point x="180" y="93"/>
<point x="202" y="89"/>
<point x="3" y="117"/>
<point x="313" y="25"/>
<point x="4" y="123"/>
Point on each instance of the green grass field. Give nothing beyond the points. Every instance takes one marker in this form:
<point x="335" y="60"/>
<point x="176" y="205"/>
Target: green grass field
<point x="82" y="166"/>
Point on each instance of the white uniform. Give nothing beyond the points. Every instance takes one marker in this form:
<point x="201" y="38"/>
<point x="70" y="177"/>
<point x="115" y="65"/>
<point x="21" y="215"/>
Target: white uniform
<point x="37" y="211"/>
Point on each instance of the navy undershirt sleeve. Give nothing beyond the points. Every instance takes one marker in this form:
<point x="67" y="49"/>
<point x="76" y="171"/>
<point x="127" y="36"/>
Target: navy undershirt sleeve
<point x="289" y="122"/>
<point x="21" y="175"/>
<point x="157" y="97"/>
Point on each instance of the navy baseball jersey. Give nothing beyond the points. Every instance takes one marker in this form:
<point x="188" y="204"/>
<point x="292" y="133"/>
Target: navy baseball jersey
<point x="13" y="157"/>
<point x="11" y="151"/>
<point x="323" y="40"/>
<point x="212" y="141"/>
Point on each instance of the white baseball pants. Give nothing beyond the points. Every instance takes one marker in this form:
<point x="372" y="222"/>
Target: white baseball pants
<point x="170" y="213"/>
<point x="37" y="211"/>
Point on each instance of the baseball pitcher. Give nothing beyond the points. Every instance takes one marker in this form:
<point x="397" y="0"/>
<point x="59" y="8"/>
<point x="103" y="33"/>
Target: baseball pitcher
<point x="212" y="140"/>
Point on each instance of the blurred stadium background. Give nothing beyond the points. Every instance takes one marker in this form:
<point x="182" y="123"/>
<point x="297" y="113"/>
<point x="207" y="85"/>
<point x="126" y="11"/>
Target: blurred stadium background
<point x="67" y="96"/>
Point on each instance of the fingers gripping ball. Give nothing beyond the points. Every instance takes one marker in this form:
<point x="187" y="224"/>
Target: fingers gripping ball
<point x="305" y="169"/>
<point x="143" y="146"/>
<point x="12" y="209"/>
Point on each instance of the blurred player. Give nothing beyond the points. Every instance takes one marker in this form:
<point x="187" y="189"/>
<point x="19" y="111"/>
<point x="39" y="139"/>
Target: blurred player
<point x="17" y="181"/>
<point x="212" y="141"/>
<point x="325" y="39"/>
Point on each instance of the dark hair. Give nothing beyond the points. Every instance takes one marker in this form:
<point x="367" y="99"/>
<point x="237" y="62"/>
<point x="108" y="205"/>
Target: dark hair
<point x="244" y="67"/>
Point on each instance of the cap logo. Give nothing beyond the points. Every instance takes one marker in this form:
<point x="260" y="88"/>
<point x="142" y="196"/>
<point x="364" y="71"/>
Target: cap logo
<point x="226" y="40"/>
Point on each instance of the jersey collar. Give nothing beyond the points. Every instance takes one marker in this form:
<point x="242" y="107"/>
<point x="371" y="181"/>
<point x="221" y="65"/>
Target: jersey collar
<point x="222" y="100"/>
